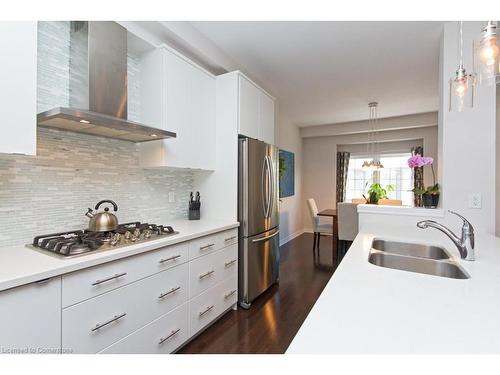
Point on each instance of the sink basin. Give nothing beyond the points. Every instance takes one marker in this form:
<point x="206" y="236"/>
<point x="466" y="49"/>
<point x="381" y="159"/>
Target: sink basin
<point x="410" y="249"/>
<point x="418" y="265"/>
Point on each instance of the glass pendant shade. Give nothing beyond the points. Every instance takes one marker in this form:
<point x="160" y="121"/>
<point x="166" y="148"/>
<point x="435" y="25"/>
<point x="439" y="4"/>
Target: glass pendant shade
<point x="463" y="84"/>
<point x="461" y="90"/>
<point x="487" y="55"/>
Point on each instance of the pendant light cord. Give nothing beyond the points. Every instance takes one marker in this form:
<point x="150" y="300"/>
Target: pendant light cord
<point x="461" y="43"/>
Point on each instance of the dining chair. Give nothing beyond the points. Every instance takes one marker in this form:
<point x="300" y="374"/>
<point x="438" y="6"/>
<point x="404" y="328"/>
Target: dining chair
<point x="348" y="226"/>
<point x="390" y="202"/>
<point x="318" y="228"/>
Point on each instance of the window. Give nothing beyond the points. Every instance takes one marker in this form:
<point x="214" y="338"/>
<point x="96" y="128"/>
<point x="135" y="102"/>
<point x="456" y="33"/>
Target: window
<point x="395" y="172"/>
<point x="357" y="178"/>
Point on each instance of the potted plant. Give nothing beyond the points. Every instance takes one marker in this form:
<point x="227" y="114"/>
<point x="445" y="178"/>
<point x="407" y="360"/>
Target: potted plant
<point x="377" y="192"/>
<point x="430" y="194"/>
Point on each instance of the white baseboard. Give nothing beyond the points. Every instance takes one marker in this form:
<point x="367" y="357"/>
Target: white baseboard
<point x="291" y="237"/>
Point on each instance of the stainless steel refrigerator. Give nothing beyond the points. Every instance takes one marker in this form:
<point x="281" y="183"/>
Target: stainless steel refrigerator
<point x="259" y="219"/>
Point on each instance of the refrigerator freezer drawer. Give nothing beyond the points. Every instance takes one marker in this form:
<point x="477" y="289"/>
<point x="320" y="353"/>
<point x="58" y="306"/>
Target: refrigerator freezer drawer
<point x="259" y="265"/>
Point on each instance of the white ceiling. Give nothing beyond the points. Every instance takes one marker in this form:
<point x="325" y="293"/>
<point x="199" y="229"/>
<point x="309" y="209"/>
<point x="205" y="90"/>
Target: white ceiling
<point x="327" y="72"/>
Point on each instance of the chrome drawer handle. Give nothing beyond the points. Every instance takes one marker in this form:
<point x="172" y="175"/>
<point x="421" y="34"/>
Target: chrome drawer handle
<point x="207" y="246"/>
<point x="229" y="294"/>
<point x="230" y="263"/>
<point x="230" y="239"/>
<point x="108" y="279"/>
<point x="206" y="310"/>
<point x="206" y="274"/>
<point x="114" y="319"/>
<point x="173" y="333"/>
<point x="161" y="261"/>
<point x="173" y="290"/>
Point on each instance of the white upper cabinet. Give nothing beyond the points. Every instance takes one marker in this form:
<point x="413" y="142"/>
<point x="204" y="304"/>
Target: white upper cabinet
<point x="266" y="118"/>
<point x="178" y="96"/>
<point x="249" y="108"/>
<point x="254" y="107"/>
<point x="18" y="67"/>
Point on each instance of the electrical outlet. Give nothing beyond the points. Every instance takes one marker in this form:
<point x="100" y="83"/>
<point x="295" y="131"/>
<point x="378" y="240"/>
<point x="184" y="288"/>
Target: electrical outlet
<point x="171" y="197"/>
<point x="475" y="200"/>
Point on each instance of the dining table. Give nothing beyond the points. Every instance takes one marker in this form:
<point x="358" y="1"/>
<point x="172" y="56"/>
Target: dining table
<point x="331" y="212"/>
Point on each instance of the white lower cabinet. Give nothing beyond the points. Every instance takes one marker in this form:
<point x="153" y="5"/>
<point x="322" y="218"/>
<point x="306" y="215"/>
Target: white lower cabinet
<point x="92" y="325"/>
<point x="210" y="304"/>
<point x="153" y="313"/>
<point x="30" y="318"/>
<point x="163" y="335"/>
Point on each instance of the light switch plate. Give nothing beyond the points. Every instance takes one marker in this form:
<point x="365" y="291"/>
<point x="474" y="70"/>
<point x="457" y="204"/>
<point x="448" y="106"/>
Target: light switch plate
<point x="171" y="197"/>
<point x="475" y="200"/>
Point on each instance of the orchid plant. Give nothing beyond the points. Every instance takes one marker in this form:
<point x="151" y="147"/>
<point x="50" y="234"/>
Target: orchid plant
<point x="418" y="161"/>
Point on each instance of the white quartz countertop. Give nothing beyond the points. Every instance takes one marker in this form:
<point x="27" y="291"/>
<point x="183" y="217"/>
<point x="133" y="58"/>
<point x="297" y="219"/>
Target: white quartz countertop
<point x="22" y="265"/>
<point x="370" y="309"/>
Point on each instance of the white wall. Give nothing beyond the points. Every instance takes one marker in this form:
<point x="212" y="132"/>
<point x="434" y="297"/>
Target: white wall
<point x="288" y="138"/>
<point x="467" y="139"/>
<point x="319" y="160"/>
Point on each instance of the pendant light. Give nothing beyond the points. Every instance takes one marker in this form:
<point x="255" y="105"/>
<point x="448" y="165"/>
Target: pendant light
<point x="487" y="54"/>
<point x="372" y="145"/>
<point x="462" y="86"/>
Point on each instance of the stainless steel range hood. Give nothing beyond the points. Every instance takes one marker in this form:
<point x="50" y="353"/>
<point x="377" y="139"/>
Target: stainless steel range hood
<point x="98" y="86"/>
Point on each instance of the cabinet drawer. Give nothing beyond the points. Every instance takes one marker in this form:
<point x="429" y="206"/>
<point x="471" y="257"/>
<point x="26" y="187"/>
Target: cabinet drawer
<point x="92" y="325"/>
<point x="81" y="285"/>
<point x="204" y="273"/>
<point x="213" y="242"/>
<point x="167" y="257"/>
<point x="203" y="246"/>
<point x="228" y="237"/>
<point x="228" y="262"/>
<point x="203" y="310"/>
<point x="163" y="335"/>
<point x="228" y="293"/>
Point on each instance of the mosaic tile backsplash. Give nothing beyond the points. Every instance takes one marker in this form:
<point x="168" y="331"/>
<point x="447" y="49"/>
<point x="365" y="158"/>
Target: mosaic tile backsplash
<point x="51" y="192"/>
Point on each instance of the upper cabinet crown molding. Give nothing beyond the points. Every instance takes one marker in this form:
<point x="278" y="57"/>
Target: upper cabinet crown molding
<point x="179" y="95"/>
<point x="18" y="74"/>
<point x="255" y="109"/>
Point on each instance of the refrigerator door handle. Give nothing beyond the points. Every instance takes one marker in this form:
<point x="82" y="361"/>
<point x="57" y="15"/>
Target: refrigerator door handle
<point x="266" y="237"/>
<point x="272" y="185"/>
<point x="263" y="182"/>
<point x="268" y="186"/>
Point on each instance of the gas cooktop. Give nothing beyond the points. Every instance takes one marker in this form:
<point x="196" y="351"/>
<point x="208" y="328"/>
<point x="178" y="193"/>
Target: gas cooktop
<point x="80" y="242"/>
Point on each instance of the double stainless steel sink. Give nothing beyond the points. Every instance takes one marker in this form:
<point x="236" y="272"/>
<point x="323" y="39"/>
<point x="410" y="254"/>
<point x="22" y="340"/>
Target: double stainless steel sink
<point x="419" y="258"/>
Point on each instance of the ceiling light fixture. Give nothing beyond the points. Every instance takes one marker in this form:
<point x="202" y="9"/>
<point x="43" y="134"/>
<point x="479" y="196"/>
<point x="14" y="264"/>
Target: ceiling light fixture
<point x="372" y="147"/>
<point x="462" y="86"/>
<point x="85" y="122"/>
<point x="487" y="54"/>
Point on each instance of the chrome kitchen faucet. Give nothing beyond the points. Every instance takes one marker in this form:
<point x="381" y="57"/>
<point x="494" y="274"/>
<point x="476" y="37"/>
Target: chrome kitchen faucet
<point x="465" y="244"/>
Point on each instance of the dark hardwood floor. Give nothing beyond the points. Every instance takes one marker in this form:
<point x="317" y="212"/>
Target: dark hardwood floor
<point x="275" y="317"/>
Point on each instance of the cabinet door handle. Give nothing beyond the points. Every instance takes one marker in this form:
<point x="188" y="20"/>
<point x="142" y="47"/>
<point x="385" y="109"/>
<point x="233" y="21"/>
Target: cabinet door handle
<point x="161" y="261"/>
<point x="207" y="246"/>
<point x="108" y="278"/>
<point x="206" y="274"/>
<point x="206" y="310"/>
<point x="230" y="239"/>
<point x="114" y="319"/>
<point x="227" y="264"/>
<point x="173" y="333"/>
<point x="173" y="290"/>
<point x="226" y="296"/>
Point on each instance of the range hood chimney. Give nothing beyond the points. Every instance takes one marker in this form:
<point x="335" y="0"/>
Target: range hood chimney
<point x="98" y="86"/>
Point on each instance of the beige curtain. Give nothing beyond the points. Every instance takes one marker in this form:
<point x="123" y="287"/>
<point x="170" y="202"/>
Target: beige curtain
<point x="342" y="168"/>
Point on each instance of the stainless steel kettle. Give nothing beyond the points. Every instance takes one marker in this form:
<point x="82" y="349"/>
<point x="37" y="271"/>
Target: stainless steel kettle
<point x="102" y="221"/>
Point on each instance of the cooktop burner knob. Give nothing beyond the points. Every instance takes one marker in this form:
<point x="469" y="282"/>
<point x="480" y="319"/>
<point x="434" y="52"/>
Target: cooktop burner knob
<point x="137" y="233"/>
<point x="115" y="239"/>
<point x="127" y="235"/>
<point x="147" y="233"/>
